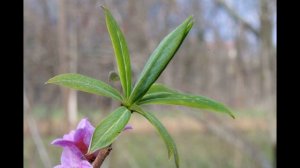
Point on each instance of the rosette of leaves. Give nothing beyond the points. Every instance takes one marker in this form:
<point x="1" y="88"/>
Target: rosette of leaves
<point x="143" y="91"/>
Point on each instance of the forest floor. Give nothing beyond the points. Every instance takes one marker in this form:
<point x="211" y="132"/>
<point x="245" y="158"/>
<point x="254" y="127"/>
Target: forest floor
<point x="142" y="147"/>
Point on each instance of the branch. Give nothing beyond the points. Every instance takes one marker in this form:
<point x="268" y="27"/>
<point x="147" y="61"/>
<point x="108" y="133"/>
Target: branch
<point x="237" y="17"/>
<point x="103" y="153"/>
<point x="33" y="128"/>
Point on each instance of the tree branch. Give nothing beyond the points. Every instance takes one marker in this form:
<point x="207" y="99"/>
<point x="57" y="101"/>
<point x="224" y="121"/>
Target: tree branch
<point x="33" y="128"/>
<point x="103" y="153"/>
<point x="237" y="17"/>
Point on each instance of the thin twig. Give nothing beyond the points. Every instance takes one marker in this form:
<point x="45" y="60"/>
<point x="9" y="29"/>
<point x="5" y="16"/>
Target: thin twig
<point x="103" y="153"/>
<point x="35" y="133"/>
<point x="237" y="17"/>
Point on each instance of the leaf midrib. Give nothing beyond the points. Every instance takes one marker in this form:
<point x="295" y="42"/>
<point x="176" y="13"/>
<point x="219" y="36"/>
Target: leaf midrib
<point x="103" y="135"/>
<point x="93" y="86"/>
<point x="193" y="100"/>
<point x="125" y="65"/>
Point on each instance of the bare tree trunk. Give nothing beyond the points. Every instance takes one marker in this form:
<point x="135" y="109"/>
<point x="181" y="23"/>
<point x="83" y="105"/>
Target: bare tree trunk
<point x="62" y="51"/>
<point x="73" y="36"/>
<point x="266" y="46"/>
<point x="240" y="65"/>
<point x="67" y="64"/>
<point x="268" y="65"/>
<point x="72" y="108"/>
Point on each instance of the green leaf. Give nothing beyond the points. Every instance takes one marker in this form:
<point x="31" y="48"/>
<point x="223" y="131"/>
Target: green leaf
<point x="159" y="59"/>
<point x="171" y="146"/>
<point x="85" y="84"/>
<point x="108" y="130"/>
<point x="121" y="51"/>
<point x="160" y="94"/>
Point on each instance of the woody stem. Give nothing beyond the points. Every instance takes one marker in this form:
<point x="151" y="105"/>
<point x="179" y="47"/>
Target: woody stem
<point x="103" y="153"/>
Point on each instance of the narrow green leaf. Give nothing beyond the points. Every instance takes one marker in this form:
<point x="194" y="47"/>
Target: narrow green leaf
<point x="159" y="59"/>
<point x="121" y="51"/>
<point x="171" y="146"/>
<point x="160" y="94"/>
<point x="109" y="128"/>
<point x="85" y="84"/>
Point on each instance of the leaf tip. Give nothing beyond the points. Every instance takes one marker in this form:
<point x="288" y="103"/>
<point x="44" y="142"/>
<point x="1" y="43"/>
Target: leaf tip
<point x="229" y="111"/>
<point x="51" y="80"/>
<point x="232" y="116"/>
<point x="177" y="162"/>
<point x="191" y="18"/>
<point x="103" y="7"/>
<point x="169" y="154"/>
<point x="190" y="23"/>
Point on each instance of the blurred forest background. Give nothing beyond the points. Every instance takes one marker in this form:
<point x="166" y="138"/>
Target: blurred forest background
<point x="229" y="55"/>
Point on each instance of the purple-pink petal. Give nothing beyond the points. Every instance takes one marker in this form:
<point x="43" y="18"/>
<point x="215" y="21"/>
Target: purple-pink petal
<point x="70" y="159"/>
<point x="69" y="136"/>
<point x="127" y="127"/>
<point x="84" y="131"/>
<point x="85" y="124"/>
<point x="62" y="142"/>
<point x="75" y="146"/>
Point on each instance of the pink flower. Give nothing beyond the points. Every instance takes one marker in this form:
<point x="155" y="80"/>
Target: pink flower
<point x="75" y="146"/>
